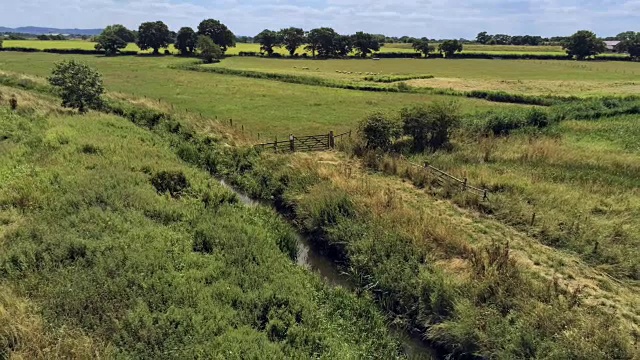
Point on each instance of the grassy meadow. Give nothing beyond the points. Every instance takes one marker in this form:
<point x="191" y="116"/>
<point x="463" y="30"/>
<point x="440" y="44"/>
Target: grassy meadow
<point x="475" y="278"/>
<point x="118" y="267"/>
<point x="264" y="107"/>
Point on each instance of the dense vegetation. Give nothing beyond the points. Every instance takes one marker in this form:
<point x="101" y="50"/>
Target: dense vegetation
<point x="152" y="258"/>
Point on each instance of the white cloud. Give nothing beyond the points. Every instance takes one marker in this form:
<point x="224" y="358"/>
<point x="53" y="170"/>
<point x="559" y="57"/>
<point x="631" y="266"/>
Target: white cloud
<point x="432" y="18"/>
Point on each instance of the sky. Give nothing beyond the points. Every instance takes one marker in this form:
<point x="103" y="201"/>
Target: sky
<point x="419" y="18"/>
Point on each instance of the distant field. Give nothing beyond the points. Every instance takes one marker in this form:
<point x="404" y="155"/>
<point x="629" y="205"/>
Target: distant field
<point x="262" y="106"/>
<point x="537" y="77"/>
<point x="80" y="44"/>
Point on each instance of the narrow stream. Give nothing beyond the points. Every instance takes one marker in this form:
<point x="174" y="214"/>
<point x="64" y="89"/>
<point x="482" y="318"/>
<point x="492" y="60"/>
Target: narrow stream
<point x="311" y="259"/>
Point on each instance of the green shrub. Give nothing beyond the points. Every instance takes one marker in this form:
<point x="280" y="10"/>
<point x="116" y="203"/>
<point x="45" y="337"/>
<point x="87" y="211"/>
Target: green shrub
<point x="431" y="125"/>
<point x="173" y="182"/>
<point x="378" y="131"/>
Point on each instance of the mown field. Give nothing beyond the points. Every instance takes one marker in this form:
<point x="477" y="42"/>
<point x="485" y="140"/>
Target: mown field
<point x="476" y="278"/>
<point x="534" y="77"/>
<point x="115" y="266"/>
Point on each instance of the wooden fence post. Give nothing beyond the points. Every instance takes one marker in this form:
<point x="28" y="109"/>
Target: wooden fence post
<point x="332" y="140"/>
<point x="533" y="219"/>
<point x="231" y="122"/>
<point x="484" y="195"/>
<point x="242" y="128"/>
<point x="349" y="134"/>
<point x="464" y="185"/>
<point x="292" y="145"/>
<point x="275" y="145"/>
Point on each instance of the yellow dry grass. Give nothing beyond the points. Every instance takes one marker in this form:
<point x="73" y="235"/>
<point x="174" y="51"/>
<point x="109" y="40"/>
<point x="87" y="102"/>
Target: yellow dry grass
<point x="532" y="87"/>
<point x="448" y="231"/>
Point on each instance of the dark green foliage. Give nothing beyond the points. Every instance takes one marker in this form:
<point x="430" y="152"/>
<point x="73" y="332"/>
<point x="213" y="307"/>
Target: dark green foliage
<point x="364" y="44"/>
<point x="78" y="85"/>
<point x="292" y="38"/>
<point x="218" y="33"/>
<point x="323" y="42"/>
<point x="630" y="44"/>
<point x="430" y="126"/>
<point x="422" y="46"/>
<point x="378" y="131"/>
<point x="186" y="41"/>
<point x="450" y="47"/>
<point x="154" y="35"/>
<point x="114" y="38"/>
<point x="208" y="50"/>
<point x="173" y="182"/>
<point x="268" y="39"/>
<point x="583" y="44"/>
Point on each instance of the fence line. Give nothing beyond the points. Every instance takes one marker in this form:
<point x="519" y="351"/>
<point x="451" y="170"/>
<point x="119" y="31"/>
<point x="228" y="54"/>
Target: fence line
<point x="464" y="183"/>
<point x="320" y="142"/>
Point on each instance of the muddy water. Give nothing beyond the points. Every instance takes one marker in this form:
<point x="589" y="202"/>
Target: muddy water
<point x="310" y="258"/>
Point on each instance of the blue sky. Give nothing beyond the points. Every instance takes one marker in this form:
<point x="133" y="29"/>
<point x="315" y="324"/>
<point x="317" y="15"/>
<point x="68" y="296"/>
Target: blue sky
<point x="431" y="18"/>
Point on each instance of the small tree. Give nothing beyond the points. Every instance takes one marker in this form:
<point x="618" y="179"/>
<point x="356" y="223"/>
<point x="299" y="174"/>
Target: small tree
<point x="154" y="35"/>
<point x="110" y="43"/>
<point x="186" y="41"/>
<point x="209" y="51"/>
<point x="364" y="43"/>
<point x="79" y="86"/>
<point x="291" y="39"/>
<point x="422" y="46"/>
<point x="218" y="32"/>
<point x="583" y="44"/>
<point x="630" y="45"/>
<point x="430" y="126"/>
<point x="378" y="131"/>
<point x="450" y="47"/>
<point x="267" y="39"/>
<point x="483" y="38"/>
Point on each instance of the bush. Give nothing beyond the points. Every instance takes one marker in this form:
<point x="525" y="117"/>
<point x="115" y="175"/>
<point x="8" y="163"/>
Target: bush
<point x="430" y="126"/>
<point x="378" y="131"/>
<point x="173" y="182"/>
<point x="79" y="85"/>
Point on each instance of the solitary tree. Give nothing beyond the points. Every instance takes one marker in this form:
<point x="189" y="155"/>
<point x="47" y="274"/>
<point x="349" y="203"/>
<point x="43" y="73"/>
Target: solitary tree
<point x="208" y="50"/>
<point x="583" y="44"/>
<point x="121" y="31"/>
<point x="364" y="44"/>
<point x="186" y="40"/>
<point x="218" y="32"/>
<point x="153" y="35"/>
<point x="422" y="46"/>
<point x="267" y="39"/>
<point x="631" y="45"/>
<point x="291" y="39"/>
<point x="483" y="38"/>
<point x="450" y="47"/>
<point x="79" y="86"/>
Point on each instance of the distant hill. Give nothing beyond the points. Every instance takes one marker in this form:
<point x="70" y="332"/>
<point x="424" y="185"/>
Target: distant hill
<point x="34" y="30"/>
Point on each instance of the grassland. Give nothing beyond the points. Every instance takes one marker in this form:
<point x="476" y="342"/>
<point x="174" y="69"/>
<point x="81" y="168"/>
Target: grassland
<point x="477" y="278"/>
<point x="119" y="268"/>
<point x="255" y="104"/>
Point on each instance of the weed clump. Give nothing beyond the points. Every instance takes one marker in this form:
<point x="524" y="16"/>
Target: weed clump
<point x="173" y="182"/>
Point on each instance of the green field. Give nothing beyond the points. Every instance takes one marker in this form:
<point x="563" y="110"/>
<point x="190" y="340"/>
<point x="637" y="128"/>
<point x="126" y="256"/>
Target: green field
<point x="256" y="104"/>
<point x="487" y="278"/>
<point x="88" y="237"/>
<point x="87" y="45"/>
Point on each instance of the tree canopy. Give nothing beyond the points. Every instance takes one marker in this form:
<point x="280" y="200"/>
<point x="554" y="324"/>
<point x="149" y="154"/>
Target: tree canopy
<point x="630" y="44"/>
<point x="218" y="32"/>
<point x="365" y="44"/>
<point x="153" y="35"/>
<point x="422" y="46"/>
<point x="114" y="38"/>
<point x="186" y="40"/>
<point x="292" y="38"/>
<point x="323" y="41"/>
<point x="268" y="39"/>
<point x="584" y="44"/>
<point x="450" y="47"/>
<point x="208" y="50"/>
<point x="79" y="86"/>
